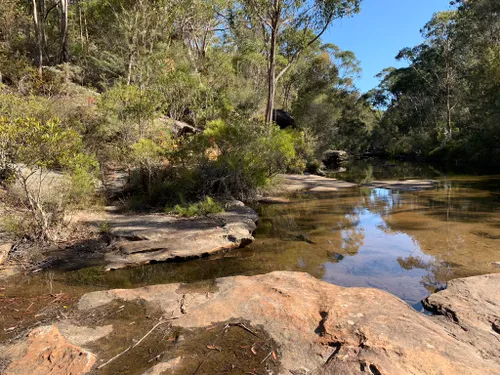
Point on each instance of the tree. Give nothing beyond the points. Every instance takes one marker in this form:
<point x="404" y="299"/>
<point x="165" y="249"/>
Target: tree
<point x="64" y="31"/>
<point x="309" y="19"/>
<point x="38" y="36"/>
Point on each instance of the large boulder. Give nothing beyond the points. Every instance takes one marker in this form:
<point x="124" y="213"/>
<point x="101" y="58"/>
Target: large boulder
<point x="283" y="119"/>
<point x="316" y="327"/>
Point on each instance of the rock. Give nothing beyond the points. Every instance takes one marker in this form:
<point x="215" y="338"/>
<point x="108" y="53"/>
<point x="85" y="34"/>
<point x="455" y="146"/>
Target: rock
<point x="320" y="328"/>
<point x="4" y="252"/>
<point x="403" y="185"/>
<point x="47" y="352"/>
<point x="283" y="119"/>
<point x="80" y="336"/>
<point x="177" y="128"/>
<point x="274" y="200"/>
<point x="312" y="183"/>
<point x="469" y="309"/>
<point x="333" y="159"/>
<point x="160" y="368"/>
<point x="159" y="238"/>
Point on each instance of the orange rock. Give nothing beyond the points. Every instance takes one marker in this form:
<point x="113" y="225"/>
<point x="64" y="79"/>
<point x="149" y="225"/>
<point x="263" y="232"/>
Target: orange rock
<point x="47" y="352"/>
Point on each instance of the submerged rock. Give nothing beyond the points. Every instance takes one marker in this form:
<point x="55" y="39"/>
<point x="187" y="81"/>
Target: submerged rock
<point x="404" y="184"/>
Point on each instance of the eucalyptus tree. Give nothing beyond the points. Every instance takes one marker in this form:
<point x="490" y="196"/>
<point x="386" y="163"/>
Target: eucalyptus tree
<point x="309" y="18"/>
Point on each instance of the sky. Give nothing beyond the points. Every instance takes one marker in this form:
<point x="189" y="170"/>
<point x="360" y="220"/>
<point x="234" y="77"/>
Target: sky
<point x="380" y="31"/>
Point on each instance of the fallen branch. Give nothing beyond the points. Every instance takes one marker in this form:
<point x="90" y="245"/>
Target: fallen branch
<point x="133" y="346"/>
<point x="241" y="325"/>
<point x="267" y="356"/>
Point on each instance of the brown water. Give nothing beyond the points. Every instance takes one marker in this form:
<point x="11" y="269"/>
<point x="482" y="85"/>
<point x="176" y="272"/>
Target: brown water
<point x="408" y="243"/>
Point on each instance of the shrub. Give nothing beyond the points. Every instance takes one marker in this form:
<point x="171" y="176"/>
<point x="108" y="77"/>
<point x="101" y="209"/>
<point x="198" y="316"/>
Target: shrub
<point x="249" y="154"/>
<point x="81" y="189"/>
<point x="202" y="208"/>
<point x="33" y="150"/>
<point x="230" y="159"/>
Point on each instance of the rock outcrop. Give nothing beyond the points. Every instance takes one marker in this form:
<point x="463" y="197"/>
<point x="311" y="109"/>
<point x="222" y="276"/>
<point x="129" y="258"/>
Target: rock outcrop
<point x="312" y="183"/>
<point x="469" y="309"/>
<point x="146" y="238"/>
<point x="321" y="328"/>
<point x="278" y="323"/>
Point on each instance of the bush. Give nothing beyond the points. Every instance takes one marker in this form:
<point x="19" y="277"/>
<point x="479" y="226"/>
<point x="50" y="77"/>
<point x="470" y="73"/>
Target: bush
<point x="34" y="149"/>
<point x="230" y="159"/>
<point x="202" y="208"/>
<point x="81" y="189"/>
<point x="248" y="154"/>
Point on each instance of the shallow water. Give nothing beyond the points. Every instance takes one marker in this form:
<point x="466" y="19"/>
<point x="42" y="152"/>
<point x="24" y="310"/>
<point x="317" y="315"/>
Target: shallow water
<point x="409" y="243"/>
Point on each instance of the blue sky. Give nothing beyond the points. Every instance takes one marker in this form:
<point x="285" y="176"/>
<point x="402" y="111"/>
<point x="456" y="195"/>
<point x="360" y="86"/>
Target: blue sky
<point x="382" y="29"/>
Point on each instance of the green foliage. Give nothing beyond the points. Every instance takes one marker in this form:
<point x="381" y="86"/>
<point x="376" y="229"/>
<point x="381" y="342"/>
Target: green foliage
<point x="203" y="208"/>
<point x="445" y="105"/>
<point x="16" y="226"/>
<point x="105" y="227"/>
<point x="81" y="190"/>
<point x="32" y="149"/>
<point x="247" y="156"/>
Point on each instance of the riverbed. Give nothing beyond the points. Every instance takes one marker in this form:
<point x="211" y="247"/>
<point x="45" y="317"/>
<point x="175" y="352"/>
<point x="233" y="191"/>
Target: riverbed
<point x="407" y="242"/>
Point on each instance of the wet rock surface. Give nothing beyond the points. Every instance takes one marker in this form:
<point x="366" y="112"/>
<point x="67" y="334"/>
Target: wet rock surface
<point x="403" y="184"/>
<point x="285" y="323"/>
<point x="312" y="183"/>
<point x="150" y="238"/>
<point x="469" y="309"/>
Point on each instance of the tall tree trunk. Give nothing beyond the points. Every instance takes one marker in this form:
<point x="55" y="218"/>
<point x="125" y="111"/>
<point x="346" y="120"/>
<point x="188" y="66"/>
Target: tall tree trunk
<point x="38" y="36"/>
<point x="271" y="75"/>
<point x="81" y="25"/>
<point x="64" y="31"/>
<point x="42" y="19"/>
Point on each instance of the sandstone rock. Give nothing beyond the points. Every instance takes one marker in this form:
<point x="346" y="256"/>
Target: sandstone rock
<point x="47" y="352"/>
<point x="320" y="328"/>
<point x="470" y="311"/>
<point x="4" y="252"/>
<point x="162" y="367"/>
<point x="147" y="238"/>
<point x="312" y="183"/>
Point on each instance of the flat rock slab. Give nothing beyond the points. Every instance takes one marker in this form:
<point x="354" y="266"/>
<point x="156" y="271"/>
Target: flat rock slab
<point x="312" y="183"/>
<point x="319" y="328"/>
<point x="469" y="309"/>
<point x="146" y="238"/>
<point x="403" y="185"/>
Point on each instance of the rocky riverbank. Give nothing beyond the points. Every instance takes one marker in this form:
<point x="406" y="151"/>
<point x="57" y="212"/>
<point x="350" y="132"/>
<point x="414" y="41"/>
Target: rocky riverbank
<point x="279" y="323"/>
